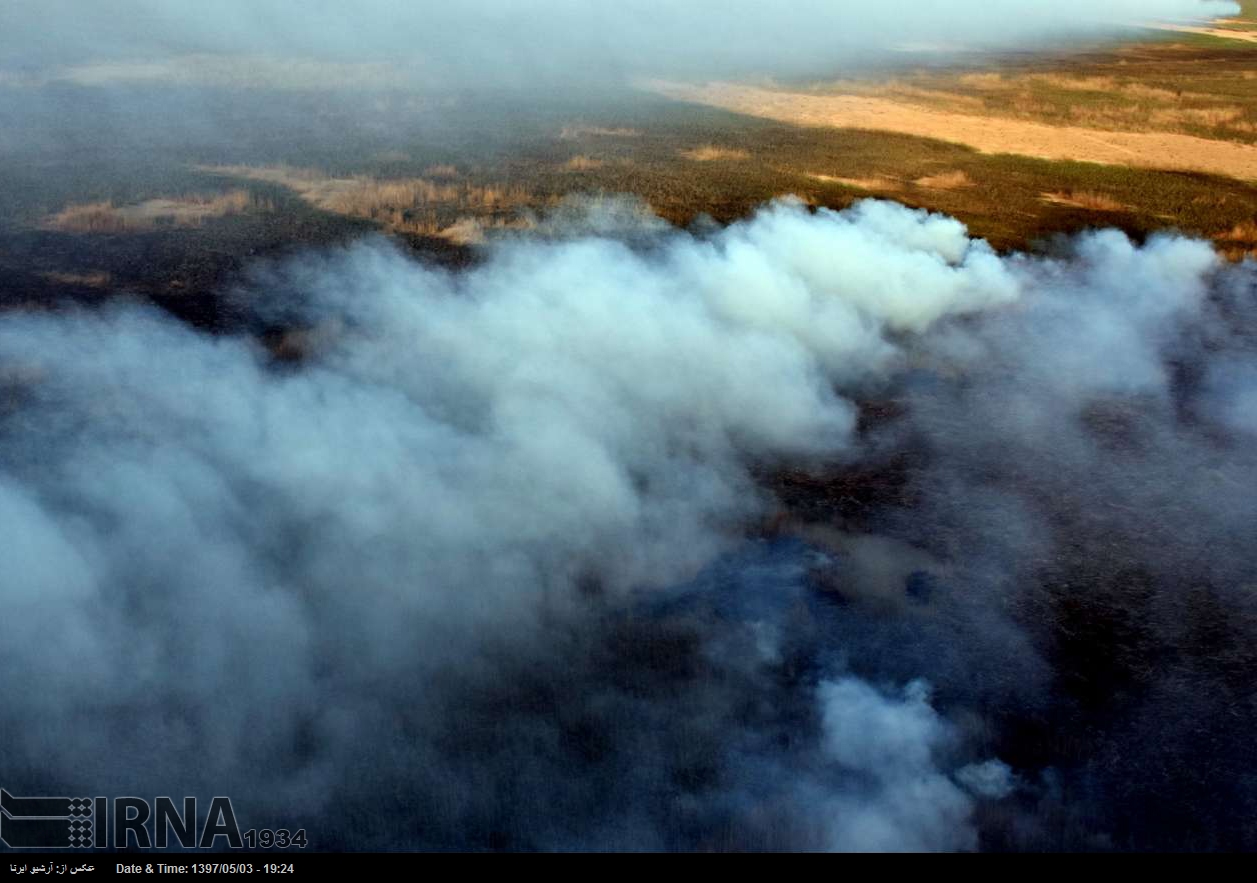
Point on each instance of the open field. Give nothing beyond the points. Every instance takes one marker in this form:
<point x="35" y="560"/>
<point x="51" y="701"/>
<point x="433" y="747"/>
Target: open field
<point x="1169" y="103"/>
<point x="1159" y="150"/>
<point x="1221" y="32"/>
<point x="1163" y="88"/>
<point x="180" y="211"/>
<point x="440" y="206"/>
<point x="1242" y="28"/>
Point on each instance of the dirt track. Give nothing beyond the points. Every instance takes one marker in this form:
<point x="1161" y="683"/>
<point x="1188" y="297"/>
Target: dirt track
<point x="1158" y="150"/>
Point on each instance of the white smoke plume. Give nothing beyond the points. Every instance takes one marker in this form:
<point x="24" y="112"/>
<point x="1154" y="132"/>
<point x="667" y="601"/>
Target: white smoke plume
<point x="911" y="805"/>
<point x="448" y="572"/>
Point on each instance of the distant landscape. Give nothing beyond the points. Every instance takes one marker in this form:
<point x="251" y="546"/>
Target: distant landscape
<point x="418" y="170"/>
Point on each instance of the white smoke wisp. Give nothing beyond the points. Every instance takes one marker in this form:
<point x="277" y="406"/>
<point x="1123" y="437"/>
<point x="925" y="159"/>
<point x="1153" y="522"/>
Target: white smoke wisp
<point x="909" y="804"/>
<point x="372" y="573"/>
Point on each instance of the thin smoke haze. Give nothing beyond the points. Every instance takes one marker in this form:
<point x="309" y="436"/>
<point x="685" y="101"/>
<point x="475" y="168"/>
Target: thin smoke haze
<point x="492" y="43"/>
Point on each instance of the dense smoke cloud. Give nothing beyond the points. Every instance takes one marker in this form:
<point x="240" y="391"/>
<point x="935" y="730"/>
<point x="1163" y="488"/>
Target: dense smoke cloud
<point x="473" y="572"/>
<point x="496" y="43"/>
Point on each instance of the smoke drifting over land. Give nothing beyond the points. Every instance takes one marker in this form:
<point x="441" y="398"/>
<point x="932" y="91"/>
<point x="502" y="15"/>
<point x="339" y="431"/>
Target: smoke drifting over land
<point x="492" y="43"/>
<point x="172" y="83"/>
<point x="473" y="572"/>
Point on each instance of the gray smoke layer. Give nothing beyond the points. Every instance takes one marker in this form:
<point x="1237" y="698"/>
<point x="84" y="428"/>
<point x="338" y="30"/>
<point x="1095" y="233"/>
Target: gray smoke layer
<point x="109" y="82"/>
<point x="483" y="43"/>
<point x="471" y="574"/>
